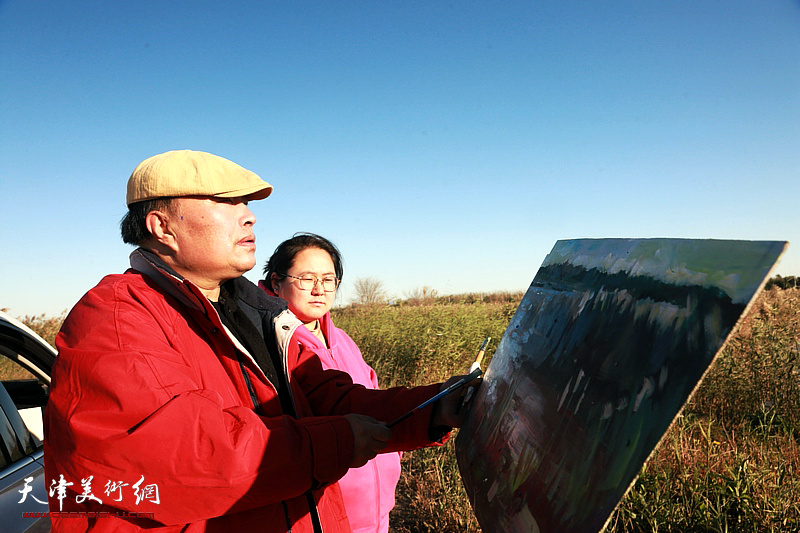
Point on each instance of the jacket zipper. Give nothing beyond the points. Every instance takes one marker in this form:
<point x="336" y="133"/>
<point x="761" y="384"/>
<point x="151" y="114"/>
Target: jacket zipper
<point x="249" y="383"/>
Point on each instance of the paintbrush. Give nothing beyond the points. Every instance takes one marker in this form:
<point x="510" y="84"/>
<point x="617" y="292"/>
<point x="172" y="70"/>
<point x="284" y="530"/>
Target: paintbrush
<point x="466" y="396"/>
<point x="481" y="351"/>
<point x="452" y="388"/>
<point x="474" y="373"/>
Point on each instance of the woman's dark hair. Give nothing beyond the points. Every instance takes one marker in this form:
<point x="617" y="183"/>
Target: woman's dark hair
<point x="283" y="257"/>
<point x="134" y="224"/>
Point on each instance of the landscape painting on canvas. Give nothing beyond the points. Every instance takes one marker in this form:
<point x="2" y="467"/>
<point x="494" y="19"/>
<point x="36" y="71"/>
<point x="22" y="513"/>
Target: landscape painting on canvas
<point x="609" y="342"/>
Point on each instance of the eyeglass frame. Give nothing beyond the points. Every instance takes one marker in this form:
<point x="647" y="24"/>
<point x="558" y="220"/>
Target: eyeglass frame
<point x="316" y="280"/>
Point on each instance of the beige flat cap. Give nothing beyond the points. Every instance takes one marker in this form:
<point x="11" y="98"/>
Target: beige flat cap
<point x="193" y="173"/>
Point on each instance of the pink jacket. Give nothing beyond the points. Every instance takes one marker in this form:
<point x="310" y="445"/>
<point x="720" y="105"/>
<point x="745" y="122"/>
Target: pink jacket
<point x="368" y="492"/>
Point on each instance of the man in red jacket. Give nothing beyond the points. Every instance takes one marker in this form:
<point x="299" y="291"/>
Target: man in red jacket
<point x="181" y="400"/>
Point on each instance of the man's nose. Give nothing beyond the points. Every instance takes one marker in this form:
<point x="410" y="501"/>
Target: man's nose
<point x="249" y="216"/>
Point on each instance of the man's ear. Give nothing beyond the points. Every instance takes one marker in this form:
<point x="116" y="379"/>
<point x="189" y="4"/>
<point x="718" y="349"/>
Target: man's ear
<point x="157" y="223"/>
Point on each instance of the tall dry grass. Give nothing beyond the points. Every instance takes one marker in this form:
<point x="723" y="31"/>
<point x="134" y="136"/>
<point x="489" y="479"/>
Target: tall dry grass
<point x="425" y="343"/>
<point x="45" y="326"/>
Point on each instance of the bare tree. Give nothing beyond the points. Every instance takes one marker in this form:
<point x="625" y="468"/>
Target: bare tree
<point x="421" y="295"/>
<point x="369" y="291"/>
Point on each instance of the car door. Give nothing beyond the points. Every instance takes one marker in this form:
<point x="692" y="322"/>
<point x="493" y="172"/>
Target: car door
<point x="23" y="491"/>
<point x="25" y="364"/>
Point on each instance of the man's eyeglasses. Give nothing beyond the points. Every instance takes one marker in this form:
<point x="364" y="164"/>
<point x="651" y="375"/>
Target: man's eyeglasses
<point x="307" y="283"/>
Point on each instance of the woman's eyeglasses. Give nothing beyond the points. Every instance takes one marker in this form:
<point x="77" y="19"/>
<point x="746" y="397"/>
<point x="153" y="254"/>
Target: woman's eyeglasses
<point x="308" y="282"/>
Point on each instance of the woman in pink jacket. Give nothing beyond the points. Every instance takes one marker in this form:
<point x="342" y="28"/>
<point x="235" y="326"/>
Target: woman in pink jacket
<point x="306" y="271"/>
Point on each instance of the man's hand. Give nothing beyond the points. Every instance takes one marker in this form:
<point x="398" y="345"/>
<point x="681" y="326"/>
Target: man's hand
<point x="370" y="437"/>
<point x="448" y="412"/>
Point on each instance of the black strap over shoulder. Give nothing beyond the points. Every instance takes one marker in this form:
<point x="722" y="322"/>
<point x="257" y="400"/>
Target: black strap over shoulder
<point x="246" y="331"/>
<point x="262" y="309"/>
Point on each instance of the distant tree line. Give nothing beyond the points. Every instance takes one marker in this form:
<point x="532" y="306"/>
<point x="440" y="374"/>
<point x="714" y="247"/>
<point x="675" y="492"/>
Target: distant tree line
<point x="789" y="282"/>
<point x="371" y="291"/>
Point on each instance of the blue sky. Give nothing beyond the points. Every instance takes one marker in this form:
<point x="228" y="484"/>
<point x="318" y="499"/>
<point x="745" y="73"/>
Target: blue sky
<point x="440" y="144"/>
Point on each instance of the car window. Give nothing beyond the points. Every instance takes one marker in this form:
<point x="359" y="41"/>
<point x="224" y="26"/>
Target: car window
<point x="29" y="396"/>
<point x="17" y="441"/>
<point x="25" y="365"/>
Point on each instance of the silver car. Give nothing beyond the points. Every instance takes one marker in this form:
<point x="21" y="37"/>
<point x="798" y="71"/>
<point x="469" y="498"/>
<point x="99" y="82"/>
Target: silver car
<point x="25" y="364"/>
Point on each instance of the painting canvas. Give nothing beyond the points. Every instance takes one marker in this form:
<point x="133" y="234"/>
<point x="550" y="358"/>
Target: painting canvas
<point x="608" y="344"/>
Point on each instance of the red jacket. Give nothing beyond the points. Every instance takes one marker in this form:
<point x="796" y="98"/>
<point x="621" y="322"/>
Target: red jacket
<point x="151" y="412"/>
